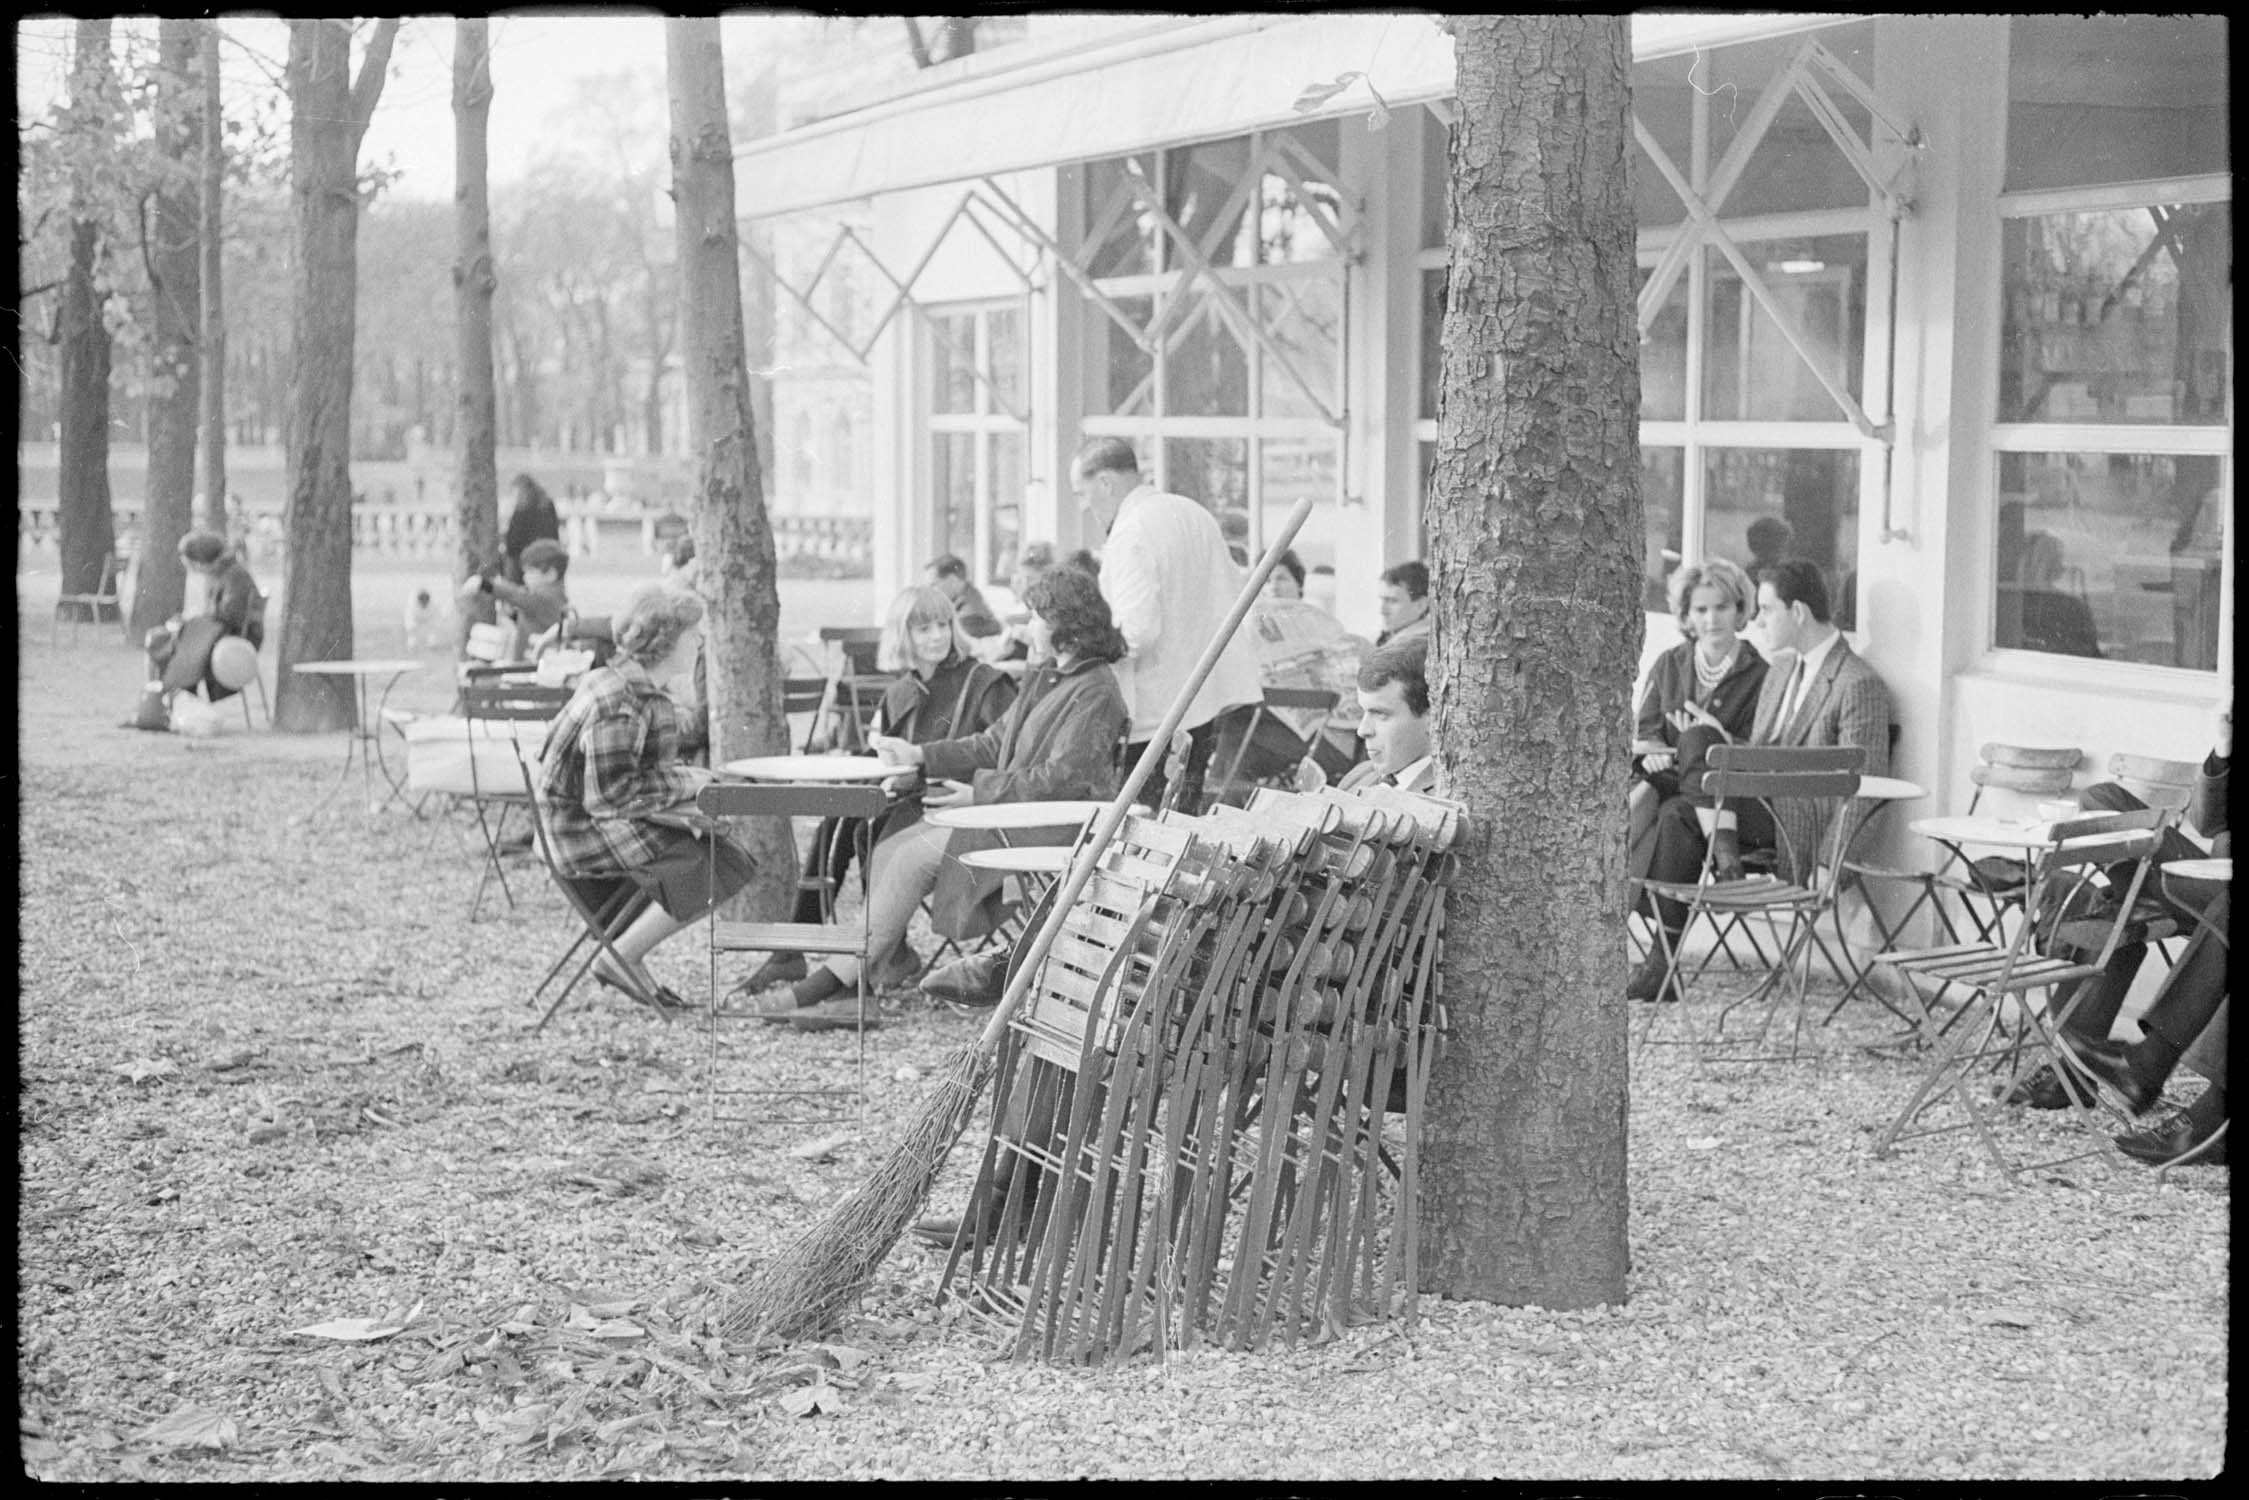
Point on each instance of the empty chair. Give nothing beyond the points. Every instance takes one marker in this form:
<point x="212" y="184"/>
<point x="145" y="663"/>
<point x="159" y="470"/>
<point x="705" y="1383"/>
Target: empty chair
<point x="81" y="607"/>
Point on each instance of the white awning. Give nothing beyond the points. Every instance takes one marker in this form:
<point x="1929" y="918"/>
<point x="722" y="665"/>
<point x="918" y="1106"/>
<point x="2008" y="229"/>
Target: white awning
<point x="1157" y="86"/>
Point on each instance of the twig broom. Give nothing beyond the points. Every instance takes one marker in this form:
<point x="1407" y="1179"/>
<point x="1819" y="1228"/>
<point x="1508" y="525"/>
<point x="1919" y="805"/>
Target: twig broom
<point x="823" y="1272"/>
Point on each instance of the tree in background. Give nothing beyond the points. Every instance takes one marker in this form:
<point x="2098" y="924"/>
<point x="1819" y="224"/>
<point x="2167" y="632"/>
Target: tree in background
<point x="174" y="260"/>
<point x="210" y="480"/>
<point x="328" y="114"/>
<point x="1535" y="528"/>
<point x="89" y="535"/>
<point x="733" y="536"/>
<point x="476" y="528"/>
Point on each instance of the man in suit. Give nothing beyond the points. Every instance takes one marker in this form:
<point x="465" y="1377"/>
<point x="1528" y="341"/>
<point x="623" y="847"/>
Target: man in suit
<point x="1818" y="692"/>
<point x="1394" y="719"/>
<point x="1405" y="603"/>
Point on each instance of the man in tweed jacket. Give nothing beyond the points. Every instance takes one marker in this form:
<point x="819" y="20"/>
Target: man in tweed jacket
<point x="1818" y="692"/>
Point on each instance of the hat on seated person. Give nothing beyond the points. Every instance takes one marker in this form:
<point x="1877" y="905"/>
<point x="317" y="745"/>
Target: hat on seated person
<point x="546" y="553"/>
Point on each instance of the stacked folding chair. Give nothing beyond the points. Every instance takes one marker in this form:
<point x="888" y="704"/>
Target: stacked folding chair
<point x="1187" y="1142"/>
<point x="2006" y="1026"/>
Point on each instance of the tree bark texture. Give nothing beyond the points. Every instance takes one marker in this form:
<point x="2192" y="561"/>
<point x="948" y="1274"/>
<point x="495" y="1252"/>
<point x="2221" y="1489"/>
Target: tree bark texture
<point x="761" y="117"/>
<point x="1535" y="542"/>
<point x="88" y="529"/>
<point x="733" y="536"/>
<point x="477" y="518"/>
<point x="328" y="115"/>
<point x="211" y="353"/>
<point x="175" y="261"/>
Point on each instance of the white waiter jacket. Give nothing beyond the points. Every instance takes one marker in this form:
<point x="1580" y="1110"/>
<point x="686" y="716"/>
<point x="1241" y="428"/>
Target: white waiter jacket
<point x="1169" y="582"/>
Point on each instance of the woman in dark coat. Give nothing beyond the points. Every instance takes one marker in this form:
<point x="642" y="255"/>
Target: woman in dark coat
<point x="1713" y="674"/>
<point x="179" y="653"/>
<point x="531" y="517"/>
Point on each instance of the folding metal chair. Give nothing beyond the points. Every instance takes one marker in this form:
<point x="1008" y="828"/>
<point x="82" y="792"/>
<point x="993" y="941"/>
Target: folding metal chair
<point x="724" y="800"/>
<point x="1825" y="776"/>
<point x="805" y="695"/>
<point x="79" y="608"/>
<point x="2000" y="1020"/>
<point x="512" y="704"/>
<point x="604" y="909"/>
<point x="1237" y="740"/>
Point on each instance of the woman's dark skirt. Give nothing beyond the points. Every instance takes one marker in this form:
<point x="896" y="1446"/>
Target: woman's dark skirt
<point x="680" y="879"/>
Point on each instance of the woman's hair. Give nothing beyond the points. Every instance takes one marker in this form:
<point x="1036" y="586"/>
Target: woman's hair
<point x="1711" y="573"/>
<point x="653" y="620"/>
<point x="922" y="604"/>
<point x="1084" y="561"/>
<point x="1076" y="615"/>
<point x="1292" y="565"/>
<point x="202" y="548"/>
<point x="529" y="491"/>
<point x="1036" y="558"/>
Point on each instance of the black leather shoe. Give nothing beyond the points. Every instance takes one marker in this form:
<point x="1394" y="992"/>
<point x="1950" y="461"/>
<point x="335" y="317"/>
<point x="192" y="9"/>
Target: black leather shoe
<point x="979" y="979"/>
<point x="2111" y="1063"/>
<point x="1653" y="981"/>
<point x="2173" y="1138"/>
<point x="937" y="1233"/>
<point x="2044" y="1090"/>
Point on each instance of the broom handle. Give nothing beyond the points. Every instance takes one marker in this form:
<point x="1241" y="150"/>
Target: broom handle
<point x="1159" y="745"/>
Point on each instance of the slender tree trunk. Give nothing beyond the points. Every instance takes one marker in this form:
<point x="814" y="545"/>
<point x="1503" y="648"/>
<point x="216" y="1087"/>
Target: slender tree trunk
<point x="761" y="117"/>
<point x="476" y="524"/>
<point x="328" y="115"/>
<point x="733" y="537"/>
<point x="211" y="353"/>
<point x="1535" y="527"/>
<point x="176" y="271"/>
<point x="88" y="529"/>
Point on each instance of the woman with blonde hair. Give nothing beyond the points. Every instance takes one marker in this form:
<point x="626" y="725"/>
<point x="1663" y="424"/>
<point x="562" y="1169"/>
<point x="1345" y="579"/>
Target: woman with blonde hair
<point x="619" y="801"/>
<point x="1712" y="677"/>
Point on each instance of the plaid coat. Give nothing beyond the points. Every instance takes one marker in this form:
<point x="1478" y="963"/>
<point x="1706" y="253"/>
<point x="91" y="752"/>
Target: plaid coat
<point x="610" y="759"/>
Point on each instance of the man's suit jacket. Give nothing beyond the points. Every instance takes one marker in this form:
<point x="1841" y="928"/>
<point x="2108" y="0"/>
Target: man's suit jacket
<point x="1365" y="774"/>
<point x="1844" y="704"/>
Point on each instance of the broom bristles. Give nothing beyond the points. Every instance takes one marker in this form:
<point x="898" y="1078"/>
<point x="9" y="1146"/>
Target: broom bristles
<point x="801" y="1292"/>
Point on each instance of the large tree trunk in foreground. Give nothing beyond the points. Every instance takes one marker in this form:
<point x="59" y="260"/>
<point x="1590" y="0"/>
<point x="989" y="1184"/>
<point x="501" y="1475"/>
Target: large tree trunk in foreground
<point x="175" y="262"/>
<point x="211" y="450"/>
<point x="733" y="537"/>
<point x="88" y="529"/>
<point x="476" y="517"/>
<point x="328" y="115"/>
<point x="1535" y="539"/>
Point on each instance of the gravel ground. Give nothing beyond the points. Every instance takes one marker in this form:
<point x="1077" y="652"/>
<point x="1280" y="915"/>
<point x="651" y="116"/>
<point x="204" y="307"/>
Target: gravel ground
<point x="272" y="1078"/>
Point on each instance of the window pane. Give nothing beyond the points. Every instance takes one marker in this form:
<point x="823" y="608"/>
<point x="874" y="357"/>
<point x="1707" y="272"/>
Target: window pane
<point x="1128" y="246"/>
<point x="1293" y="469"/>
<point x="2115" y="99"/>
<point x="2110" y="555"/>
<point x="1289" y="231"/>
<point x="1663" y="357"/>
<point x="1199" y="184"/>
<point x="1305" y="321"/>
<point x="2119" y="315"/>
<point x="1005" y="497"/>
<point x="1120" y="376"/>
<point x="953" y="483"/>
<point x="1432" y="340"/>
<point x="1003" y="332"/>
<point x="1751" y="372"/>
<point x="1206" y="370"/>
<point x="1214" y="471"/>
<point x="952" y="353"/>
<point x="1765" y="504"/>
<point x="1796" y="165"/>
<point x="1663" y="101"/>
<point x="1662" y="495"/>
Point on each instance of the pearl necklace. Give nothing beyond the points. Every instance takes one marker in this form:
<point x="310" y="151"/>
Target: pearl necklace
<point x="1707" y="676"/>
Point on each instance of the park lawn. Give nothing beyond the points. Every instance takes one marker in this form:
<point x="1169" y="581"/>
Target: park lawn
<point x="272" y="1078"/>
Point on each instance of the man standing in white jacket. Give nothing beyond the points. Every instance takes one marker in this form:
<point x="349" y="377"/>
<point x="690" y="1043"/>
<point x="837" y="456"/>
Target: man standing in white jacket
<point x="1169" y="581"/>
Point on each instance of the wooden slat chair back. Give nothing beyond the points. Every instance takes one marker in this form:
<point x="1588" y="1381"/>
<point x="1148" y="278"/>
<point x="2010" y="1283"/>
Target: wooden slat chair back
<point x="2167" y="784"/>
<point x="1998" y="1023"/>
<point x="513" y="705"/>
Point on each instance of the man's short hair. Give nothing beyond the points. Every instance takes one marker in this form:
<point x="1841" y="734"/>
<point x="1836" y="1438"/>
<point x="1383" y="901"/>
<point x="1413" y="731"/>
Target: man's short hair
<point x="546" y="553"/>
<point x="1797" y="580"/>
<point x="949" y="565"/>
<point x="1413" y="577"/>
<point x="1405" y="663"/>
<point x="1099" y="454"/>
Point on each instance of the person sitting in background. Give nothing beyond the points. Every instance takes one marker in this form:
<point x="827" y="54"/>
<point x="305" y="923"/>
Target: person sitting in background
<point x="1394" y="720"/>
<point x="1827" y="695"/>
<point x="1405" y="603"/>
<point x="1285" y="584"/>
<point x="179" y="651"/>
<point x="1769" y="538"/>
<point x="2193" y="995"/>
<point x="950" y="573"/>
<point x="1036" y="559"/>
<point x="1712" y="675"/>
<point x="531" y="518"/>
<point x="941" y="693"/>
<point x="1299" y="645"/>
<point x="619" y="801"/>
<point x="537" y="604"/>
<point x="2034" y="613"/>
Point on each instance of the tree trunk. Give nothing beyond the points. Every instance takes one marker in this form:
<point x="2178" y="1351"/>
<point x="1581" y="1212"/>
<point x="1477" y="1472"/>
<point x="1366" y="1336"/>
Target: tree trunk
<point x="88" y="532"/>
<point x="733" y="537"/>
<point x="328" y="114"/>
<point x="761" y="116"/>
<point x="1535" y="540"/>
<point x="476" y="524"/>
<point x="211" y="339"/>
<point x="175" y="263"/>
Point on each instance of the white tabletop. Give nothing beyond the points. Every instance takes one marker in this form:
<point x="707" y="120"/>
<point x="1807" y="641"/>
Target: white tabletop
<point x="1008" y="815"/>
<point x="357" y="668"/>
<point x="1038" y="859"/>
<point x="814" y="768"/>
<point x="1888" y="789"/>
<point x="1997" y="833"/>
<point x="2218" y="870"/>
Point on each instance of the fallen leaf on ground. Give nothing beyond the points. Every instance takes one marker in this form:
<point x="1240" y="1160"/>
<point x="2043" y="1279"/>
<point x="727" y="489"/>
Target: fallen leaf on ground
<point x="820" y="1150"/>
<point x="353" y="1330"/>
<point x="189" y="1427"/>
<point x="141" y="1069"/>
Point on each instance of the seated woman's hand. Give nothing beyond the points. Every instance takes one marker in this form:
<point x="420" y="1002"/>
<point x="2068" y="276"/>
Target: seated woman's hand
<point x="948" y="794"/>
<point x="895" y="751"/>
